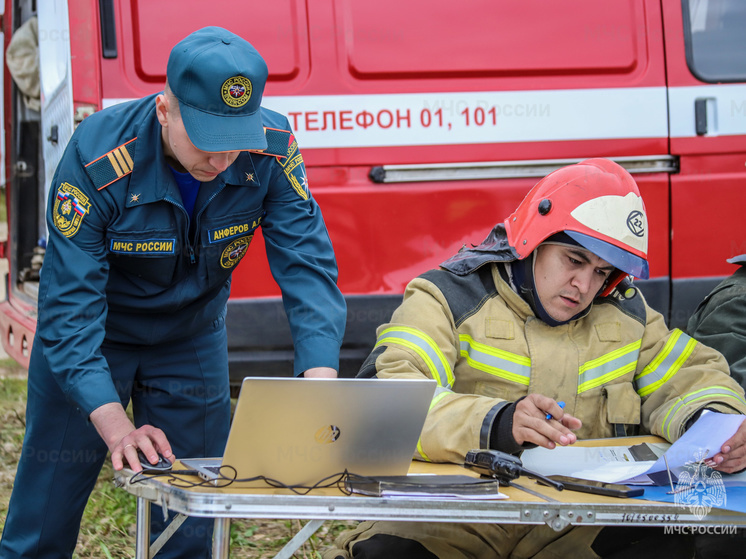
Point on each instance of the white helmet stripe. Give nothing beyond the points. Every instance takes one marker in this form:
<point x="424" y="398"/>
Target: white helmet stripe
<point x="621" y="218"/>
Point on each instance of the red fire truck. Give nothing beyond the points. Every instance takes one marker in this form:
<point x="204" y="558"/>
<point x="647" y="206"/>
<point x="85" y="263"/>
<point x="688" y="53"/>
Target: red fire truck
<point x="422" y="124"/>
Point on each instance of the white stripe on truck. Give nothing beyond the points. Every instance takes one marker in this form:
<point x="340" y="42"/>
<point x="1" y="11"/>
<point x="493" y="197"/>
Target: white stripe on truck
<point x="405" y="119"/>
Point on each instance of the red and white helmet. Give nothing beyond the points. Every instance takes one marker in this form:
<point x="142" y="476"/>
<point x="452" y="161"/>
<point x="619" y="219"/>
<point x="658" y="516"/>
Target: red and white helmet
<point x="597" y="204"/>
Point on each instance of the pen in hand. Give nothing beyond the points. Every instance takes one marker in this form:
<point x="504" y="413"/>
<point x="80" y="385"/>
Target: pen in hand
<point x="560" y="404"/>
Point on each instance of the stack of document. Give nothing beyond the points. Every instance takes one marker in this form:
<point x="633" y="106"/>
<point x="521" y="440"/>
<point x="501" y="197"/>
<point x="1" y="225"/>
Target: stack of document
<point x="644" y="464"/>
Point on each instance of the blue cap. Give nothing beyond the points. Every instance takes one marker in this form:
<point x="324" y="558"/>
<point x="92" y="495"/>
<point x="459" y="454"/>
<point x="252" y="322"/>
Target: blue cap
<point x="219" y="78"/>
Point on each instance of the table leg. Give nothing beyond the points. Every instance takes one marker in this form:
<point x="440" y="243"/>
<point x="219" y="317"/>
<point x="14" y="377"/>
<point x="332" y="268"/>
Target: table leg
<point x="142" y="536"/>
<point x="170" y="530"/>
<point x="306" y="532"/>
<point x="221" y="539"/>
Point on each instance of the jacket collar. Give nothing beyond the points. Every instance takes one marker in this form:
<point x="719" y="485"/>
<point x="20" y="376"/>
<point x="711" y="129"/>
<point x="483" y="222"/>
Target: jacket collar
<point x="514" y="301"/>
<point x="495" y="248"/>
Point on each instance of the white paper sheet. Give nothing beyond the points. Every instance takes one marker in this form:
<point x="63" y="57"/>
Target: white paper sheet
<point x="567" y="460"/>
<point x="616" y="464"/>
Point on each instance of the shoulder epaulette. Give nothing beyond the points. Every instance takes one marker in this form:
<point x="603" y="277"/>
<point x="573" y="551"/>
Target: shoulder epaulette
<point x="280" y="143"/>
<point x="112" y="166"/>
<point x="466" y="295"/>
<point x="628" y="299"/>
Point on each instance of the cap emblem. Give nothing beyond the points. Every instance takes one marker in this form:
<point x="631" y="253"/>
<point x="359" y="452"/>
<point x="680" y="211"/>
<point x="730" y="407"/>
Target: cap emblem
<point x="236" y="91"/>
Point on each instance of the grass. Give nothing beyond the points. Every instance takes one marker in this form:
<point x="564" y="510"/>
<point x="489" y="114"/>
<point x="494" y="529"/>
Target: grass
<point x="108" y="525"/>
<point x="13" y="418"/>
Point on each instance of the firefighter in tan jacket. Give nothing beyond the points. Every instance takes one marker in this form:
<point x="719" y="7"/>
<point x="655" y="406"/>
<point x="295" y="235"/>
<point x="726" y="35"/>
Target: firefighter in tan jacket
<point x="541" y="312"/>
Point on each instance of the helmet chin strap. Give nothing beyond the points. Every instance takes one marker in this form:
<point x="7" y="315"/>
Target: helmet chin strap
<point x="523" y="280"/>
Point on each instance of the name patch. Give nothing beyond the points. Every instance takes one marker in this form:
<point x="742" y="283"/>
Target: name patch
<point x="223" y="233"/>
<point x="150" y="246"/>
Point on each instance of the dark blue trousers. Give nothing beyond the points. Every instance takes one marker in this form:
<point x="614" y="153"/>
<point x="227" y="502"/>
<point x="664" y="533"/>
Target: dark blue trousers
<point x="181" y="388"/>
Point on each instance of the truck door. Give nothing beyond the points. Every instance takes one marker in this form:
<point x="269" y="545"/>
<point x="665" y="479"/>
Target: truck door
<point x="706" y="72"/>
<point x="56" y="89"/>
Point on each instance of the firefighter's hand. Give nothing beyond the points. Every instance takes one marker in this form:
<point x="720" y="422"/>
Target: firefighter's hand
<point x="732" y="455"/>
<point x="124" y="440"/>
<point x="530" y="423"/>
<point x="320" y="372"/>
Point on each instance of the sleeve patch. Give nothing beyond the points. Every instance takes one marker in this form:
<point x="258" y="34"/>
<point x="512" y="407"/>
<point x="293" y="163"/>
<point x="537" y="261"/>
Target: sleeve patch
<point x="112" y="166"/>
<point x="295" y="171"/>
<point x="70" y="207"/>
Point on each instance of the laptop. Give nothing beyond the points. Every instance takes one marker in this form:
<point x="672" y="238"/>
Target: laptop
<point x="299" y="431"/>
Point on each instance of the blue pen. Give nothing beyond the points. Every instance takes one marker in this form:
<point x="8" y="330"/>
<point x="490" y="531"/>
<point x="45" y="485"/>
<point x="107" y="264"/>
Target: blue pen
<point x="560" y="404"/>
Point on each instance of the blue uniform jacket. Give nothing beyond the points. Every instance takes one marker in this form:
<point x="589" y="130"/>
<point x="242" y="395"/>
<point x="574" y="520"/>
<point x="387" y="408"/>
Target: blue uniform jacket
<point x="125" y="263"/>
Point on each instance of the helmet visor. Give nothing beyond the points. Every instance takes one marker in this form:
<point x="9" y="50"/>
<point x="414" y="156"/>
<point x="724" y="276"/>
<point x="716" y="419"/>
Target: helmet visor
<point x="617" y="257"/>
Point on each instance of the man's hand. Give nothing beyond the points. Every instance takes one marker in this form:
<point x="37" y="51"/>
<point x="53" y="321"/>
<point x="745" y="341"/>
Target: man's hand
<point x="530" y="423"/>
<point x="320" y="372"/>
<point x="732" y="455"/>
<point x="124" y="440"/>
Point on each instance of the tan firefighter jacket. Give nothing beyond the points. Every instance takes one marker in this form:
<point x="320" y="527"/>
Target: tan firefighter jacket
<point x="617" y="365"/>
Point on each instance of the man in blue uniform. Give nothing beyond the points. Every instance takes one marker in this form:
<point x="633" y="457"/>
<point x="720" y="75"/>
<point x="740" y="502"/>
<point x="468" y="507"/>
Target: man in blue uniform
<point x="152" y="207"/>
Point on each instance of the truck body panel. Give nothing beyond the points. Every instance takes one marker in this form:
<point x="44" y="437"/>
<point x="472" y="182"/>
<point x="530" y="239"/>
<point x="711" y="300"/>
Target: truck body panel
<point x="419" y="138"/>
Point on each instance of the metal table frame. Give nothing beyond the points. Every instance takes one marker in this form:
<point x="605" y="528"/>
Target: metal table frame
<point x="528" y="504"/>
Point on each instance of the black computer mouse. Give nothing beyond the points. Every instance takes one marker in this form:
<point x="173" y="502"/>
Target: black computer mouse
<point x="163" y="465"/>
